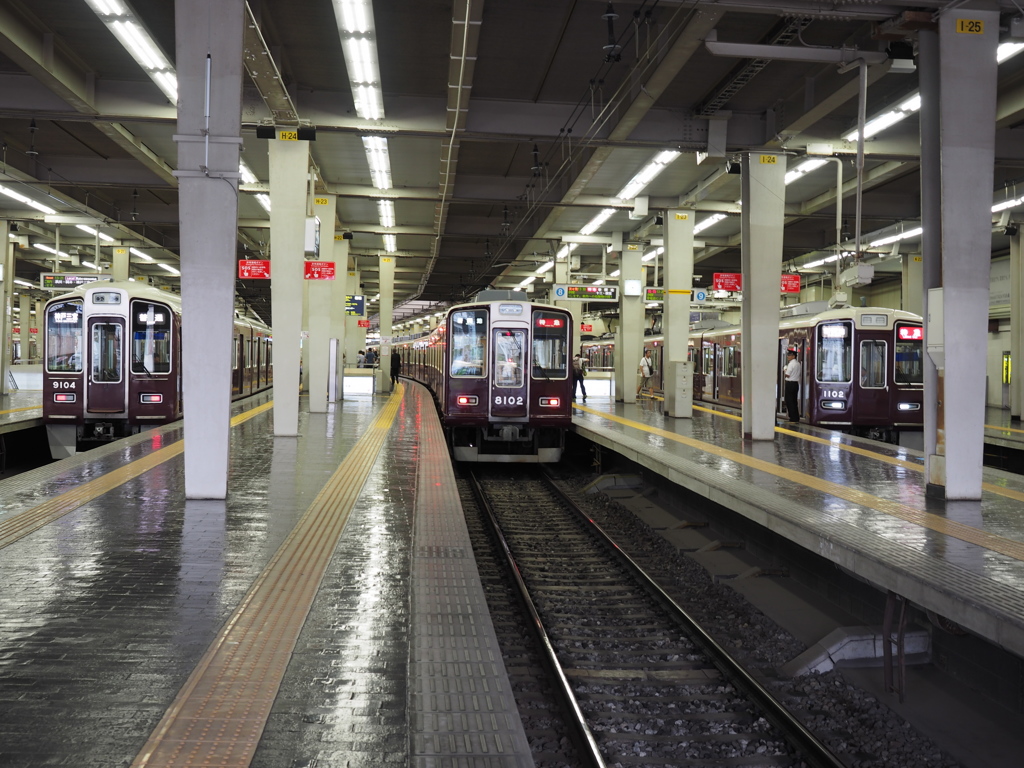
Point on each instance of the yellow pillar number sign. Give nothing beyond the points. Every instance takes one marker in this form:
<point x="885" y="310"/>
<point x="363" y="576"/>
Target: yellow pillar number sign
<point x="288" y="135"/>
<point x="769" y="159"/>
<point x="970" y="27"/>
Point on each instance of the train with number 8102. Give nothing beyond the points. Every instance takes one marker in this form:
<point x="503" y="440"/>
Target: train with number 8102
<point x="500" y="371"/>
<point x="862" y="368"/>
<point x="112" y="363"/>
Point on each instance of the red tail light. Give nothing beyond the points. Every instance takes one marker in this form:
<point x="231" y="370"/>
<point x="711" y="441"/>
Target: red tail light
<point x="467" y="399"/>
<point x="151" y="398"/>
<point x="65" y="397"/>
<point x="550" y="402"/>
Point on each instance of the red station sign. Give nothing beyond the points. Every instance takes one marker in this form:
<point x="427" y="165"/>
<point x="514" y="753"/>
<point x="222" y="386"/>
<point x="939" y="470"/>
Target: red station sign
<point x="364" y="323"/>
<point x="791" y="283"/>
<point x="33" y="330"/>
<point x="253" y="269"/>
<point x="728" y="281"/>
<point x="586" y="328"/>
<point x="318" y="270"/>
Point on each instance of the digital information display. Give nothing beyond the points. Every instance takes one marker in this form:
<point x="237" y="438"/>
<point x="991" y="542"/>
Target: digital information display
<point x="586" y="292"/>
<point x="655" y="294"/>
<point x="66" y="281"/>
<point x="355" y="306"/>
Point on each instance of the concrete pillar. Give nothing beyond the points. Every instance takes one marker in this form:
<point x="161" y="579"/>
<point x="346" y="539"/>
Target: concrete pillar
<point x="37" y="323"/>
<point x="967" y="103"/>
<point x="288" y="174"/>
<point x="355" y="337"/>
<point x="386" y="305"/>
<point x="675" y="322"/>
<point x="339" y="324"/>
<point x="209" y="68"/>
<point x="1016" y="335"/>
<point x="629" y="340"/>
<point x="6" y="285"/>
<point x="24" y="321"/>
<point x="120" y="267"/>
<point x="913" y="283"/>
<point x="304" y="338"/>
<point x="321" y="308"/>
<point x="562" y="275"/>
<point x="764" y="198"/>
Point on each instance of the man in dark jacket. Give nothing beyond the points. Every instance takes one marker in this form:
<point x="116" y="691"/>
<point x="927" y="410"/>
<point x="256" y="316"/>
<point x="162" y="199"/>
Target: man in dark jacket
<point x="396" y="367"/>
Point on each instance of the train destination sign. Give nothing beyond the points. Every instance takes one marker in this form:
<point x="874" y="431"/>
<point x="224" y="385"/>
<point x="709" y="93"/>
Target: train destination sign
<point x="254" y="269"/>
<point x="355" y="306"/>
<point x="66" y="281"/>
<point x="318" y="270"/>
<point x="586" y="292"/>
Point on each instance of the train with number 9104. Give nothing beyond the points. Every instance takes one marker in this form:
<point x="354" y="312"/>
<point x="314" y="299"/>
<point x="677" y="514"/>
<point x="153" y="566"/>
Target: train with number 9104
<point x="112" y="363"/>
<point x="500" y="371"/>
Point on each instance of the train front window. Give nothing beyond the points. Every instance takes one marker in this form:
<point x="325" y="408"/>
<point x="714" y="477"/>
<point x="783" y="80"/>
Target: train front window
<point x="835" y="353"/>
<point x="550" y="345"/>
<point x="64" y="337"/>
<point x="872" y="363"/>
<point x="151" y="338"/>
<point x="909" y="366"/>
<point x="508" y="358"/>
<point x="106" y="353"/>
<point x="468" y="342"/>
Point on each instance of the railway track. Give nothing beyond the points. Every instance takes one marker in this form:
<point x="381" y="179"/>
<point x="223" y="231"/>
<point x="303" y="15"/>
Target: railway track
<point x="640" y="683"/>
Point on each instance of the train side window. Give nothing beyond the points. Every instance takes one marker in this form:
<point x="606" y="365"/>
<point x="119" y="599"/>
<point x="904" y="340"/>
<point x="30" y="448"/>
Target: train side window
<point x="872" y="363"/>
<point x="550" y="345"/>
<point x="469" y="342"/>
<point x="508" y="358"/>
<point x="64" y="337"/>
<point x="106" y="353"/>
<point x="728" y="361"/>
<point x="709" y="360"/>
<point x="908" y="367"/>
<point x="835" y="353"/>
<point x="151" y="337"/>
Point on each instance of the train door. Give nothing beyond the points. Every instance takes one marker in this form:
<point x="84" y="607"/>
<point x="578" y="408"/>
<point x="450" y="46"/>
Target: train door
<point x="107" y="387"/>
<point x="508" y="380"/>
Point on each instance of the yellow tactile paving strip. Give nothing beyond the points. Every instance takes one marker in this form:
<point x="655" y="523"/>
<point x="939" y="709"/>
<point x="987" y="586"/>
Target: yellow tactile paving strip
<point x="1008" y="547"/>
<point x="24" y="523"/>
<point x="26" y="408"/>
<point x="220" y="713"/>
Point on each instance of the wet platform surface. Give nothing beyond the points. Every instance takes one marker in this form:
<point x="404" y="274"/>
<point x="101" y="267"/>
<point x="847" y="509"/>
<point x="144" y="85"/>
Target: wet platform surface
<point x="20" y="410"/>
<point x="858" y="503"/>
<point x="108" y="607"/>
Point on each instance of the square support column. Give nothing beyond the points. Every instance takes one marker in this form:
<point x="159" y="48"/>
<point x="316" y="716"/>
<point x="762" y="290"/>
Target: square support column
<point x="630" y="337"/>
<point x="7" y="267"/>
<point x="678" y="373"/>
<point x="386" y="307"/>
<point x="339" y="291"/>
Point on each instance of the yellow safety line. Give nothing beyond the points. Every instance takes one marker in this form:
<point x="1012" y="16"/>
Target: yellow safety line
<point x="1008" y="547"/>
<point x="26" y="408"/>
<point x="1005" y="429"/>
<point x="22" y="524"/>
<point x="220" y="712"/>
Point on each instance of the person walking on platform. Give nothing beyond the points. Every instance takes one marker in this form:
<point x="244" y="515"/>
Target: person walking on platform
<point x="396" y="367"/>
<point x="646" y="369"/>
<point x="792" y="376"/>
<point x="579" y="372"/>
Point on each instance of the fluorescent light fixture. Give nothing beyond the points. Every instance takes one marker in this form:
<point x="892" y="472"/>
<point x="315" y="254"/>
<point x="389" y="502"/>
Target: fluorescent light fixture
<point x="95" y="233"/>
<point x="812" y="264"/>
<point x="1008" y="50"/>
<point x="26" y="283"/>
<point x="544" y="267"/>
<point x="264" y="199"/>
<point x="714" y="218"/>
<point x="359" y="45"/>
<point x="140" y="254"/>
<point x="90" y="265"/>
<point x="615" y="273"/>
<point x="595" y="223"/>
<point x="804" y="168"/>
<point x="168" y="267"/>
<point x="1011" y="203"/>
<point x="598" y="282"/>
<point x="647" y="174"/>
<point x="565" y="250"/>
<point x="894" y="238"/>
<point x="50" y="249"/>
<point x="135" y="38"/>
<point x="386" y="213"/>
<point x="377" y="157"/>
<point x="651" y="254"/>
<point x="26" y="200"/>
<point x="390" y="243"/>
<point x="527" y="281"/>
<point x="248" y="177"/>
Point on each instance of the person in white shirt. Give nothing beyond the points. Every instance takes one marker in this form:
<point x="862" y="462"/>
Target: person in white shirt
<point x="579" y="371"/>
<point x="792" y="376"/>
<point x="646" y="369"/>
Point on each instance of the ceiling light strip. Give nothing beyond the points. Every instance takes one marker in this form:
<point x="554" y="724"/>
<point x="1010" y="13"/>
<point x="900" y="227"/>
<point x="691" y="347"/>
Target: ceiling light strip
<point x="125" y="25"/>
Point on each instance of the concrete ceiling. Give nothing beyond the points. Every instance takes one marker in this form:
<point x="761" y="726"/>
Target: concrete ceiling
<point x="546" y="133"/>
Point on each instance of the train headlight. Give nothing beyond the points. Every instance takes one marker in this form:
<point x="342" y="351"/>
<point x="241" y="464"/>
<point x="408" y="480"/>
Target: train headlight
<point x="151" y="398"/>
<point x="834" y="405"/>
<point x="550" y="402"/>
<point x="467" y="400"/>
<point x="64" y="397"/>
<point x="908" y="407"/>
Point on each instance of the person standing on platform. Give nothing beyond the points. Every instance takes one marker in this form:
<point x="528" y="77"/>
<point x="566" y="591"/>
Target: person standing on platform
<point x="371" y="358"/>
<point x="792" y="376"/>
<point x="579" y="372"/>
<point x="360" y="359"/>
<point x="646" y="369"/>
<point x="396" y="367"/>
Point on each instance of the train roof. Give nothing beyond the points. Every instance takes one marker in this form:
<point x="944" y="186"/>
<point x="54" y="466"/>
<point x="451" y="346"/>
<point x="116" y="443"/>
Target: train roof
<point x="135" y="290"/>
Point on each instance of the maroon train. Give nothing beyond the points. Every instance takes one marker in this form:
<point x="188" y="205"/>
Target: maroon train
<point x="500" y="370"/>
<point x="861" y="368"/>
<point x="112" y="363"/>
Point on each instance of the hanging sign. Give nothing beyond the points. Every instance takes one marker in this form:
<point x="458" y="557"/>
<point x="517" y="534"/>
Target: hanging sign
<point x="363" y="323"/>
<point x="585" y="328"/>
<point x="791" y="283"/>
<point x="655" y="294"/>
<point x="254" y="269"/>
<point x="586" y="292"/>
<point x="65" y="281"/>
<point x="355" y="306"/>
<point x="728" y="281"/>
<point x="318" y="270"/>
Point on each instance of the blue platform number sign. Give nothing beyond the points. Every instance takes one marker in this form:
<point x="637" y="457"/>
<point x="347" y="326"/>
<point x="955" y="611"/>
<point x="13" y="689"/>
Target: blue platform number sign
<point x="560" y="292"/>
<point x="699" y="295"/>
